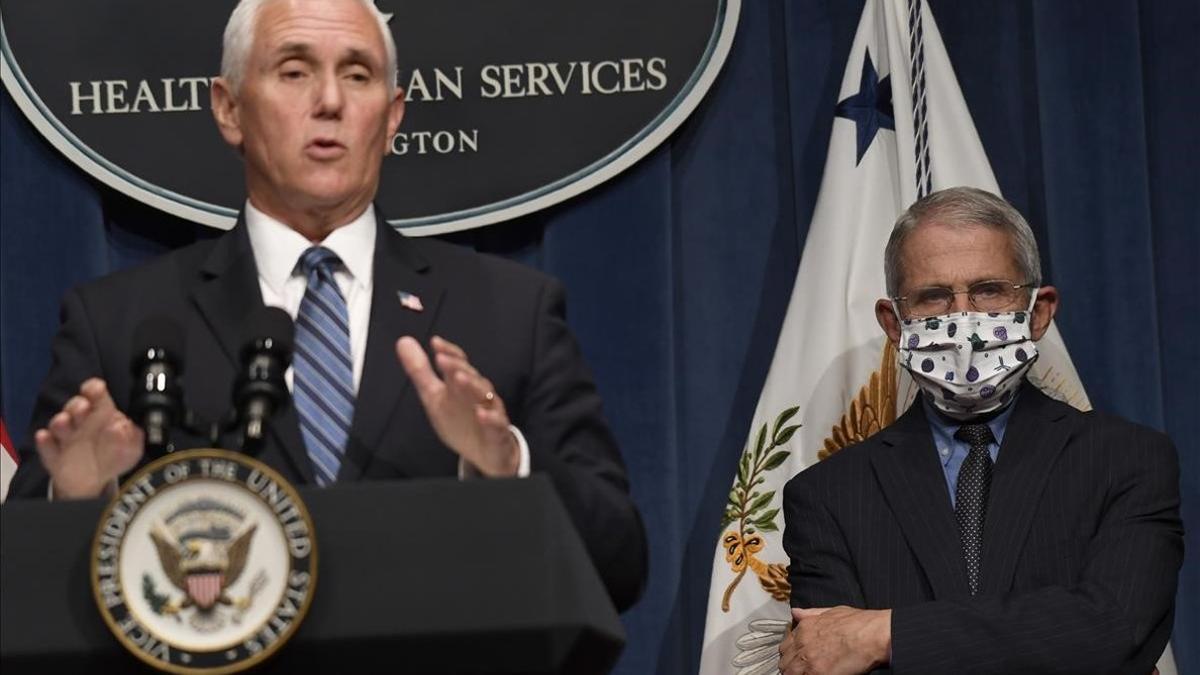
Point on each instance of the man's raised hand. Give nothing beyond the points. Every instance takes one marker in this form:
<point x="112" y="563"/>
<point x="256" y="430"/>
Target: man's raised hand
<point x="88" y="444"/>
<point x="462" y="406"/>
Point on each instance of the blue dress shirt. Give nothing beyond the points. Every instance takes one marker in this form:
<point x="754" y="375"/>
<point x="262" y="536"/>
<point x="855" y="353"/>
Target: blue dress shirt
<point x="952" y="451"/>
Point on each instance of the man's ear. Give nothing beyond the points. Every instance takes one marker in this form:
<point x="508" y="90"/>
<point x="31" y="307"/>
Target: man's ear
<point x="226" y="112"/>
<point x="1044" y="308"/>
<point x="395" y="114"/>
<point x="887" y="319"/>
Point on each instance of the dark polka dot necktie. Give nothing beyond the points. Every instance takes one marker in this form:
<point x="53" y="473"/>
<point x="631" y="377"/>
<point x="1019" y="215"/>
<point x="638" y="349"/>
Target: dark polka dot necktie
<point x="971" y="495"/>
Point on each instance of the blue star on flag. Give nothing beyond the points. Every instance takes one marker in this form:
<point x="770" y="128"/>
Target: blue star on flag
<point x="871" y="108"/>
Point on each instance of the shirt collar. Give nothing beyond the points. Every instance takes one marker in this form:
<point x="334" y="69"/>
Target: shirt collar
<point x="278" y="247"/>
<point x="944" y="428"/>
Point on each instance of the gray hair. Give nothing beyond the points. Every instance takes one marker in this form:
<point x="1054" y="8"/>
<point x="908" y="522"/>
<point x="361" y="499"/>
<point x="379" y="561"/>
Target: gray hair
<point x="964" y="206"/>
<point x="239" y="41"/>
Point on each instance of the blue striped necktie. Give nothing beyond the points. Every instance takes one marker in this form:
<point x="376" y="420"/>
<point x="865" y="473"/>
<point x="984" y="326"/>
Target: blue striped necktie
<point x="323" y="375"/>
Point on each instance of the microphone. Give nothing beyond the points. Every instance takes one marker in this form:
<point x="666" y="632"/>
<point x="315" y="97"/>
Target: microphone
<point x="156" y="400"/>
<point x="261" y="390"/>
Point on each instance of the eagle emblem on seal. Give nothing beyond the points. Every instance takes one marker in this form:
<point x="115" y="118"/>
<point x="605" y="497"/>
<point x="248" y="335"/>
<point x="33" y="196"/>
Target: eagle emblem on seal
<point x="203" y="547"/>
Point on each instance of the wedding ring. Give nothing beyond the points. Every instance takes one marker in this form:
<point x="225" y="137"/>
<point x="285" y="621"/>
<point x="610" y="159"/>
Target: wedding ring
<point x="489" y="397"/>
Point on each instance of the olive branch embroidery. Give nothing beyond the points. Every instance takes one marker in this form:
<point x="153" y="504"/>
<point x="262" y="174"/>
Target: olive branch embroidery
<point x="159" y="603"/>
<point x="748" y="507"/>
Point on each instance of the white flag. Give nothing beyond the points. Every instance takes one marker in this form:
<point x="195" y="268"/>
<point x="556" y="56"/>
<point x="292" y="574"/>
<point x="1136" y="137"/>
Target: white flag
<point x="902" y="130"/>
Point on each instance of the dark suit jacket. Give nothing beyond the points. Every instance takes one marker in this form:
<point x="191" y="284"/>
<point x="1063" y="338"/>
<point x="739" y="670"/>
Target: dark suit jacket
<point x="509" y="319"/>
<point x="1081" y="552"/>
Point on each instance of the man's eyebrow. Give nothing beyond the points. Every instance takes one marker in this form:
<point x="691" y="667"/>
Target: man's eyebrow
<point x="303" y="50"/>
<point x="355" y="55"/>
<point x="292" y="49"/>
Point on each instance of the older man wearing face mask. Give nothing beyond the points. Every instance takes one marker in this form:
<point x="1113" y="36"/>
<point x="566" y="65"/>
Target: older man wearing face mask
<point x="990" y="529"/>
<point x="308" y="97"/>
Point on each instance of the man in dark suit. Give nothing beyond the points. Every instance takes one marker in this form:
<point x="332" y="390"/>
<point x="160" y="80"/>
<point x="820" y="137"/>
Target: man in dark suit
<point x="308" y="97"/>
<point x="990" y="529"/>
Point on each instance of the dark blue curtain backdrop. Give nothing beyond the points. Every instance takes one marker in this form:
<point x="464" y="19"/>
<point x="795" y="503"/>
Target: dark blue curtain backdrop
<point x="680" y="269"/>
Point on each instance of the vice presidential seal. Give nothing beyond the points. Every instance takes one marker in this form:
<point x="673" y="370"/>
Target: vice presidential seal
<point x="205" y="561"/>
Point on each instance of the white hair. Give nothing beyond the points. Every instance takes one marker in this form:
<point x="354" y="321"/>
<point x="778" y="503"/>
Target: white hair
<point x="964" y="207"/>
<point x="239" y="41"/>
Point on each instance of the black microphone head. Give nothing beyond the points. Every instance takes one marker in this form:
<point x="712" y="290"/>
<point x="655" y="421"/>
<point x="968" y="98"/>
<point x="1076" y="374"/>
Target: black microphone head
<point x="155" y="402"/>
<point x="261" y="388"/>
<point x="270" y="329"/>
<point x="158" y="337"/>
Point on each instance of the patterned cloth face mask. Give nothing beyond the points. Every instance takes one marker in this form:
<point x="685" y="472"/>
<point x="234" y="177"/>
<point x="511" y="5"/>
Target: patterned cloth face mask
<point x="969" y="363"/>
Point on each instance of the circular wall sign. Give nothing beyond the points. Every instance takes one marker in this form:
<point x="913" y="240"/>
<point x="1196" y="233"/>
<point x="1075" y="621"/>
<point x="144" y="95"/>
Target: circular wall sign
<point x="512" y="107"/>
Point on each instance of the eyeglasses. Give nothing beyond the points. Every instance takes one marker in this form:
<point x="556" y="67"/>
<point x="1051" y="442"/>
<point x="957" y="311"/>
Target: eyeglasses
<point x="996" y="295"/>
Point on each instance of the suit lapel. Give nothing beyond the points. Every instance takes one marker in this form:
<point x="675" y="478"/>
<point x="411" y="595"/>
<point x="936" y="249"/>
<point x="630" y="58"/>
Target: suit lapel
<point x="399" y="268"/>
<point x="1036" y="433"/>
<point x="226" y="294"/>
<point x="914" y="483"/>
<point x="220" y="293"/>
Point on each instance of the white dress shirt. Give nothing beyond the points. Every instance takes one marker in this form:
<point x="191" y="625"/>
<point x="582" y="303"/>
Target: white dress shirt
<point x="277" y="250"/>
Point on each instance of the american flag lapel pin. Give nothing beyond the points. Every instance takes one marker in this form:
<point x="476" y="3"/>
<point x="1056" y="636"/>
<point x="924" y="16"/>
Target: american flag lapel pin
<point x="410" y="301"/>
